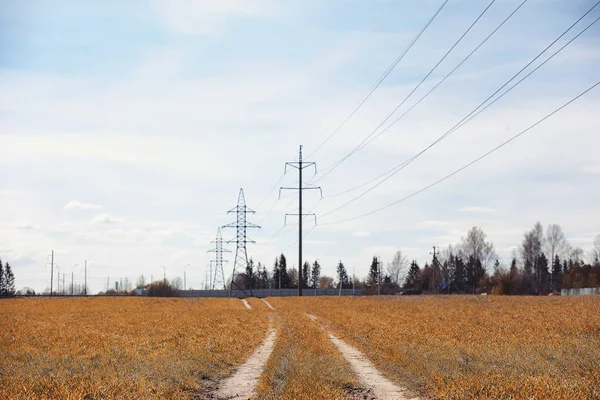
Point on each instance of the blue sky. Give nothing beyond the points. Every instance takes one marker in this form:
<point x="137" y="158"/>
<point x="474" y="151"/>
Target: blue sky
<point x="127" y="129"/>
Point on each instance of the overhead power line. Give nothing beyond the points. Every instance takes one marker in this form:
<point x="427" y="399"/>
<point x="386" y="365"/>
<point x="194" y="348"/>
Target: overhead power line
<point x="470" y="163"/>
<point x="390" y="173"/>
<point x="362" y="144"/>
<point x="425" y="96"/>
<point x="380" y="80"/>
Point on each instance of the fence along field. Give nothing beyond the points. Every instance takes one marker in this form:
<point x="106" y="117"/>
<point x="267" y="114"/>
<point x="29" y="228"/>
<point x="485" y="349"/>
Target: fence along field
<point x="441" y="347"/>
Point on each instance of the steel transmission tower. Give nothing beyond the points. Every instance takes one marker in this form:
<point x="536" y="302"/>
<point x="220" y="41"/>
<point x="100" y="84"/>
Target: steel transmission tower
<point x="300" y="165"/>
<point x="218" y="279"/>
<point x="241" y="254"/>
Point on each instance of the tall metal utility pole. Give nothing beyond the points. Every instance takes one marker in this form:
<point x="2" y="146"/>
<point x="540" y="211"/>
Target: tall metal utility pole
<point x="241" y="253"/>
<point x="218" y="279"/>
<point x="51" y="272"/>
<point x="300" y="165"/>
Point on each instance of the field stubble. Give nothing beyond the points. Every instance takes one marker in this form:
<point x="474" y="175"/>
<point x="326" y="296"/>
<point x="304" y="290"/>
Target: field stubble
<point x="122" y="347"/>
<point x="467" y="347"/>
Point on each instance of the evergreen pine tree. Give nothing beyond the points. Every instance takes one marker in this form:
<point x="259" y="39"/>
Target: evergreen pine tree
<point x="276" y="274"/>
<point x="9" y="281"/>
<point x="413" y="278"/>
<point x="285" y="278"/>
<point x="342" y="276"/>
<point x="315" y="274"/>
<point x="373" y="272"/>
<point x="460" y="274"/>
<point x="2" y="279"/>
<point x="556" y="273"/>
<point x="305" y="275"/>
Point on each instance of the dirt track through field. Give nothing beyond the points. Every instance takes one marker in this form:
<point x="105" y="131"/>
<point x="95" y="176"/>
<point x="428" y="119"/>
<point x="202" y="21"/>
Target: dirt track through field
<point x="268" y="304"/>
<point x="242" y="384"/>
<point x="248" y="306"/>
<point x="365" y="370"/>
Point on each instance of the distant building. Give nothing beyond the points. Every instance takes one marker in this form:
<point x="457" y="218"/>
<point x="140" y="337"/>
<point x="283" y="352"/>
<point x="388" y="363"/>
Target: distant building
<point x="140" y="292"/>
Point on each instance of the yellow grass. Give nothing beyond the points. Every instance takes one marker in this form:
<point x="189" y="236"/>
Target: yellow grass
<point x="465" y="347"/>
<point x="127" y="348"/>
<point x="445" y="347"/>
<point x="304" y="364"/>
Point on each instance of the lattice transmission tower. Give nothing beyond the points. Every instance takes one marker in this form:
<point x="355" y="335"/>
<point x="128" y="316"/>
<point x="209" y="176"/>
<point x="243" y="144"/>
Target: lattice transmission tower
<point x="217" y="280"/>
<point x="241" y="253"/>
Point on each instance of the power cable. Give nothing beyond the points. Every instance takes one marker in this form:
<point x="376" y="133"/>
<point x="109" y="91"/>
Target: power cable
<point x="390" y="173"/>
<point x="381" y="79"/>
<point x="469" y="164"/>
<point x="360" y="145"/>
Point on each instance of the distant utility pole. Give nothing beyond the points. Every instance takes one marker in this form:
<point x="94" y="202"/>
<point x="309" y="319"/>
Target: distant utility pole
<point x="107" y="283"/>
<point x="218" y="279"/>
<point x="51" y="271"/>
<point x="63" y="291"/>
<point x="58" y="279"/>
<point x="85" y="284"/>
<point x="72" y="281"/>
<point x="433" y="269"/>
<point x="300" y="165"/>
<point x="164" y="275"/>
<point x="184" y="277"/>
<point x="241" y="225"/>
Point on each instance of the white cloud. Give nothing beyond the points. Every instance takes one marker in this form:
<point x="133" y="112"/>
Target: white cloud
<point x="76" y="205"/>
<point x="24" y="224"/>
<point x="208" y="17"/>
<point x="591" y="169"/>
<point x="477" y="209"/>
<point x="106" y="219"/>
<point x="361" y="234"/>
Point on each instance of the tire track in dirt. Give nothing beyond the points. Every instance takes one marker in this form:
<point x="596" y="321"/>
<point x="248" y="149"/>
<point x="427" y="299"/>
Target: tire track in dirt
<point x="268" y="304"/>
<point x="242" y="384"/>
<point x="366" y="372"/>
<point x="248" y="306"/>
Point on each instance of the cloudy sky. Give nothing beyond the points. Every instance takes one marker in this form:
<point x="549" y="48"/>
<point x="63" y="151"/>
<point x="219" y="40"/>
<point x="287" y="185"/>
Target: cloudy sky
<point x="128" y="128"/>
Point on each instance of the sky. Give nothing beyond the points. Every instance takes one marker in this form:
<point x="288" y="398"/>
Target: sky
<point x="128" y="128"/>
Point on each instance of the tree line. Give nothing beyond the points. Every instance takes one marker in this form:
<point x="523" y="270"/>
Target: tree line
<point x="543" y="263"/>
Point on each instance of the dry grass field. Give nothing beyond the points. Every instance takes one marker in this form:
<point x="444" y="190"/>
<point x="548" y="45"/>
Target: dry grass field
<point x="474" y="347"/>
<point x="304" y="363"/>
<point x="457" y="347"/>
<point x="126" y="348"/>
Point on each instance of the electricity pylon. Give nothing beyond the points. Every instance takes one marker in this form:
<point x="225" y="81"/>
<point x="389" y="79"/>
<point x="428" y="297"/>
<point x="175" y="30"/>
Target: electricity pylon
<point x="241" y="254"/>
<point x="217" y="281"/>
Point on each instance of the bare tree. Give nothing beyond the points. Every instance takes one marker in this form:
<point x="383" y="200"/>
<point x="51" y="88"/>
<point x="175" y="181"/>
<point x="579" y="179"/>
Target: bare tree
<point x="177" y="283"/>
<point x="397" y="267"/>
<point x="475" y="245"/>
<point x="596" y="250"/>
<point x="555" y="242"/>
<point x="141" y="282"/>
<point x="576" y="254"/>
<point x="532" y="244"/>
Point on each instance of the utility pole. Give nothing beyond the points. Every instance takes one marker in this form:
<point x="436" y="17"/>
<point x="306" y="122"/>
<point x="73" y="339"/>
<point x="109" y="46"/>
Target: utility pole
<point x="300" y="165"/>
<point x="72" y="281"/>
<point x="51" y="272"/>
<point x="164" y="276"/>
<point x="63" y="291"/>
<point x="58" y="279"/>
<point x="433" y="270"/>
<point x="241" y="225"/>
<point x="107" y="283"/>
<point x="353" y="277"/>
<point x="184" y="278"/>
<point x="85" y="283"/>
